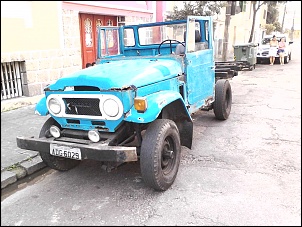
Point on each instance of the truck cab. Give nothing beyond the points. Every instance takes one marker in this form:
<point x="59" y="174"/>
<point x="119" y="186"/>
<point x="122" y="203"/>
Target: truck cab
<point x="136" y="102"/>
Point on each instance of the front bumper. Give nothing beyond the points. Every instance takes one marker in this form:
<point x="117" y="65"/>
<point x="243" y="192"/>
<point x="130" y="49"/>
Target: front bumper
<point x="94" y="151"/>
<point x="265" y="55"/>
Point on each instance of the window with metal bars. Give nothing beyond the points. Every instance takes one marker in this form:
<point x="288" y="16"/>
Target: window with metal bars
<point x="11" y="79"/>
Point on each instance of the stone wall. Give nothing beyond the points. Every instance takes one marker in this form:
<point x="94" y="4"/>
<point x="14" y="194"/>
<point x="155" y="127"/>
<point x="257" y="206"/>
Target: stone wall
<point x="43" y="67"/>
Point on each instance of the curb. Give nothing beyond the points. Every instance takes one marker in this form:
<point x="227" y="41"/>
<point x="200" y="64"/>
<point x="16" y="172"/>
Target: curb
<point x="12" y="174"/>
<point x="21" y="170"/>
<point x="15" y="103"/>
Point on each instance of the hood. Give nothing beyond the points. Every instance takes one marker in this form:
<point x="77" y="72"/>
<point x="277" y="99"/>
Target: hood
<point x="264" y="46"/>
<point x="122" y="73"/>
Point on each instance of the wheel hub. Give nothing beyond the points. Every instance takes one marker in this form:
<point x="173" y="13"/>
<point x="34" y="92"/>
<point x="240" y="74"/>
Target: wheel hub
<point x="168" y="154"/>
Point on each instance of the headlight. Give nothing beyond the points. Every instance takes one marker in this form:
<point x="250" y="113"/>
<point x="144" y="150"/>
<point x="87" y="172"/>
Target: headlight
<point x="54" y="105"/>
<point x="111" y="108"/>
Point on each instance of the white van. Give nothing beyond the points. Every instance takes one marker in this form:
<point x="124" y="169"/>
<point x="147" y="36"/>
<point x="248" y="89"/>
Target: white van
<point x="263" y="49"/>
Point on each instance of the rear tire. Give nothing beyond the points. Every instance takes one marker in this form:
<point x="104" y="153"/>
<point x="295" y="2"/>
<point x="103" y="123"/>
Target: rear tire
<point x="160" y="154"/>
<point x="54" y="162"/>
<point x="223" y="99"/>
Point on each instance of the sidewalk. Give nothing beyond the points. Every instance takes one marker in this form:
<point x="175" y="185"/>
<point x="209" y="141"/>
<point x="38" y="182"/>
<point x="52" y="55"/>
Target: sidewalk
<point x="18" y="119"/>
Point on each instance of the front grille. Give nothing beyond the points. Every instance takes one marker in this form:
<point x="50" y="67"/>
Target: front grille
<point x="82" y="106"/>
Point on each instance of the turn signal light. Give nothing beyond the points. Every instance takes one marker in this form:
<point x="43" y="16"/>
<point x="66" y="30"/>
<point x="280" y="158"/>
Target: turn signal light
<point x="140" y="104"/>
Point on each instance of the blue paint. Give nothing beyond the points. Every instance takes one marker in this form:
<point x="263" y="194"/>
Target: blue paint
<point x="122" y="73"/>
<point x="138" y="71"/>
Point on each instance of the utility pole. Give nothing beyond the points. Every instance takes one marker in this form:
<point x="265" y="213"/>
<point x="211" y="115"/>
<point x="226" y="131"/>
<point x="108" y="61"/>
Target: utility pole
<point x="283" y="18"/>
<point x="226" y="31"/>
<point x="293" y="28"/>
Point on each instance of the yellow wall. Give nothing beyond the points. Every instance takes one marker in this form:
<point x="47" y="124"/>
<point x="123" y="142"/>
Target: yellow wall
<point x="241" y="24"/>
<point x="30" y="25"/>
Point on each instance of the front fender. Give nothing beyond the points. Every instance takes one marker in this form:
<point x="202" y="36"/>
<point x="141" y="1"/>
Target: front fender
<point x="156" y="102"/>
<point x="41" y="108"/>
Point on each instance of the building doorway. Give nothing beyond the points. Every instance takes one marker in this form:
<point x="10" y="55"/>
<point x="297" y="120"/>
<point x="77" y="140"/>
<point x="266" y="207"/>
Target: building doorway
<point x="89" y="24"/>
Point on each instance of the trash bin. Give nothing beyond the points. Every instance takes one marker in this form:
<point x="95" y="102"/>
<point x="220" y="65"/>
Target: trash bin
<point x="246" y="54"/>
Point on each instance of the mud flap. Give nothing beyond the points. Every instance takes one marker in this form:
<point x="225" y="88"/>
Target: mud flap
<point x="186" y="134"/>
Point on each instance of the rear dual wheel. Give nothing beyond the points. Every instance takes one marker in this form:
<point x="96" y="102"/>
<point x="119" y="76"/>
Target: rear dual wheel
<point x="223" y="99"/>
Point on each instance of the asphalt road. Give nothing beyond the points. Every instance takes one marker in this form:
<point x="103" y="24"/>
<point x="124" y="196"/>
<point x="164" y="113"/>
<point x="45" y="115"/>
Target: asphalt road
<point x="242" y="171"/>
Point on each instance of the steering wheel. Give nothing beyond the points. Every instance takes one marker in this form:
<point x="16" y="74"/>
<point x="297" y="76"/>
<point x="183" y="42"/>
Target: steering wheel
<point x="169" y="40"/>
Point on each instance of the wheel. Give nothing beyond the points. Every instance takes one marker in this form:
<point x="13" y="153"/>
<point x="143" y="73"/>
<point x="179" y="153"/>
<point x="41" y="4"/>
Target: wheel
<point x="223" y="99"/>
<point x="160" y="154"/>
<point x="54" y="162"/>
<point x="286" y="59"/>
<point x="169" y="40"/>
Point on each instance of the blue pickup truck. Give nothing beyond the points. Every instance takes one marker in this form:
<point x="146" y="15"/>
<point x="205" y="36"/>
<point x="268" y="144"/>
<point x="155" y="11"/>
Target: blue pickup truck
<point x="136" y="102"/>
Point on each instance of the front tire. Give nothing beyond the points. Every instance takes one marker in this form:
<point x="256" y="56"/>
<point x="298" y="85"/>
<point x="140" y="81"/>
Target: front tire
<point x="54" y="162"/>
<point x="286" y="59"/>
<point x="223" y="99"/>
<point x="160" y="154"/>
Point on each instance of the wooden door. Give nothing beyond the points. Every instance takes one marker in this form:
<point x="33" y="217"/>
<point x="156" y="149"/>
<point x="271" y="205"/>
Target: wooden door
<point x="89" y="26"/>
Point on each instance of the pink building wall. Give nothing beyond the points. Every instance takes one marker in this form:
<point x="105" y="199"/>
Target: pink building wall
<point x="160" y="9"/>
<point x="116" y="8"/>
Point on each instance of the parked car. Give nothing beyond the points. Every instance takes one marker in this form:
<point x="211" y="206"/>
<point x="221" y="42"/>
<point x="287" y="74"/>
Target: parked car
<point x="136" y="103"/>
<point x="263" y="49"/>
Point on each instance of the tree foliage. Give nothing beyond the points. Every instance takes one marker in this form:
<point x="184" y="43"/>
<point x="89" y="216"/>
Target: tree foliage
<point x="272" y="14"/>
<point x="210" y="8"/>
<point x="278" y="26"/>
<point x="196" y="8"/>
<point x="256" y="6"/>
<point x="269" y="28"/>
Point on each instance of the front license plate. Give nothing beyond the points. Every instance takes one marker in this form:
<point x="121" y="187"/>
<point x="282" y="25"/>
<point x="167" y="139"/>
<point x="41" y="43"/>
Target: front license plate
<point x="66" y="152"/>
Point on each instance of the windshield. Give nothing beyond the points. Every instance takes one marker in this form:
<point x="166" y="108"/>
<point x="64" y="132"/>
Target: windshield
<point x="156" y="34"/>
<point x="150" y="35"/>
<point x="266" y="41"/>
<point x="108" y="42"/>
